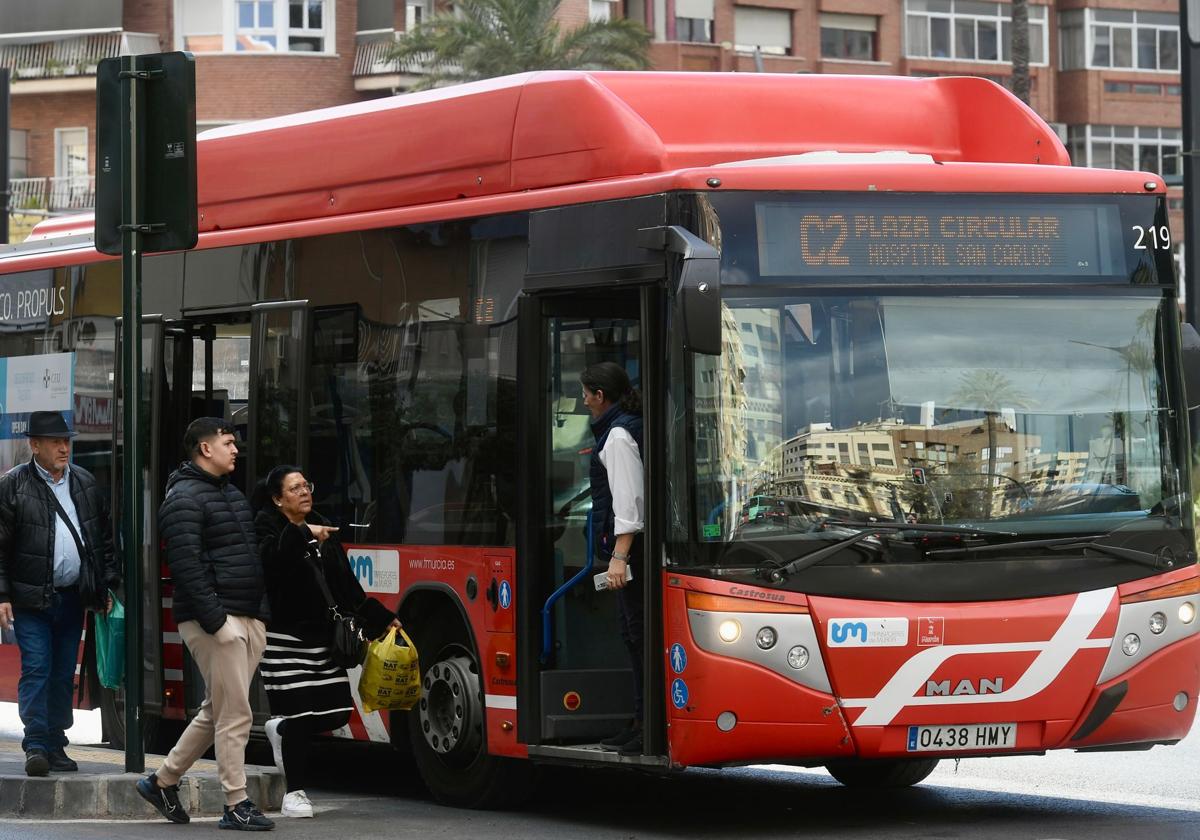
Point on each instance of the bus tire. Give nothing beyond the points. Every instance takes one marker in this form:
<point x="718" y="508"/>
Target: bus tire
<point x="447" y="729"/>
<point x="112" y="723"/>
<point x="885" y="773"/>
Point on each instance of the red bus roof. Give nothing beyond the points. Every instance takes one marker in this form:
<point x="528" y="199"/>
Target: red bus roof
<point x="540" y="130"/>
<point x="547" y="131"/>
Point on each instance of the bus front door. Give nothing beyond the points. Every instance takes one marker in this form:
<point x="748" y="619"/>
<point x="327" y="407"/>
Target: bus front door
<point x="573" y="665"/>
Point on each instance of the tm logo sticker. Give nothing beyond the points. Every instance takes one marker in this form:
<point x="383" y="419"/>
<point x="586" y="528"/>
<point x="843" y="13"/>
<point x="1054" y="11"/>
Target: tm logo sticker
<point x="377" y="569"/>
<point x="868" y="632"/>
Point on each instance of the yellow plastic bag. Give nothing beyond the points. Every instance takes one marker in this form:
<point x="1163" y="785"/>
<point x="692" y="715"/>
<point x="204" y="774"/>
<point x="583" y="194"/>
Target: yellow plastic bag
<point x="391" y="675"/>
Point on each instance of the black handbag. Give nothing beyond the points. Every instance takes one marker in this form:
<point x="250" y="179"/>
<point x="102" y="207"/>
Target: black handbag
<point x="347" y="644"/>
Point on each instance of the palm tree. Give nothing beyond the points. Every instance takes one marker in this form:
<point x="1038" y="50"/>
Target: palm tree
<point x="481" y="39"/>
<point x="990" y="391"/>
<point x="1020" y="49"/>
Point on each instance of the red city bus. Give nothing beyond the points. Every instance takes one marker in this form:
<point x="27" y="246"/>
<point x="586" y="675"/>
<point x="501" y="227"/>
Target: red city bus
<point x="917" y="473"/>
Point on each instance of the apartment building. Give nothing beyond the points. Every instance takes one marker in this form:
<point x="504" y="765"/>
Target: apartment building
<point x="1105" y="73"/>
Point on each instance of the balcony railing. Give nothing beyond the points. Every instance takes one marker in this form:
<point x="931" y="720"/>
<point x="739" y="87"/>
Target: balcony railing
<point x="72" y="57"/>
<point x="370" y="58"/>
<point x="48" y="196"/>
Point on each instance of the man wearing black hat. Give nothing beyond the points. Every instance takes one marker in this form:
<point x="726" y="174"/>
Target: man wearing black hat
<point x="56" y="559"/>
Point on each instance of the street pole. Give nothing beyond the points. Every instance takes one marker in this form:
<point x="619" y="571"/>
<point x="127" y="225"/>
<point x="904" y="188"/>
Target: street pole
<point x="1189" y="55"/>
<point x="131" y="379"/>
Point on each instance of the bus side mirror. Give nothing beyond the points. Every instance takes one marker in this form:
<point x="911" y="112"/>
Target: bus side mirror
<point x="1191" y="365"/>
<point x="699" y="291"/>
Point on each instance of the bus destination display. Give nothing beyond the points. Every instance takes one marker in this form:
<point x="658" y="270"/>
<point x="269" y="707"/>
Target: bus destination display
<point x="883" y="237"/>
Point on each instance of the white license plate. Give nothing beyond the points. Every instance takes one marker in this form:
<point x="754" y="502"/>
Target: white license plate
<point x="973" y="736"/>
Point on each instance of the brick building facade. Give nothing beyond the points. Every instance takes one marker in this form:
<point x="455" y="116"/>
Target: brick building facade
<point x="1104" y="73"/>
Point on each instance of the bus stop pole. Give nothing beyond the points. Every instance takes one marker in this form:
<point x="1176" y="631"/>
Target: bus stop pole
<point x="131" y="378"/>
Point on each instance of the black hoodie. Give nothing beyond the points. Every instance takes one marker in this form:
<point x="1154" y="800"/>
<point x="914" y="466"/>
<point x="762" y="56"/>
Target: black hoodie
<point x="208" y="529"/>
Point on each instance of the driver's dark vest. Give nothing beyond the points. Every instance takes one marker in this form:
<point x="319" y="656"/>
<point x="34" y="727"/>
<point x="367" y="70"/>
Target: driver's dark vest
<point x="603" y="523"/>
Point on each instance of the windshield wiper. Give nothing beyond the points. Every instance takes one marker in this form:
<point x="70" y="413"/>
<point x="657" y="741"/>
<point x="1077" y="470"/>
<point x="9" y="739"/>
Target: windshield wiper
<point x="1085" y="543"/>
<point x="779" y="574"/>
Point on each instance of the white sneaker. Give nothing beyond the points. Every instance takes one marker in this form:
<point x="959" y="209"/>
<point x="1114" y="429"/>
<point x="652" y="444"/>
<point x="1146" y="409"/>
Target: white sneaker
<point x="296" y="804"/>
<point x="272" y="730"/>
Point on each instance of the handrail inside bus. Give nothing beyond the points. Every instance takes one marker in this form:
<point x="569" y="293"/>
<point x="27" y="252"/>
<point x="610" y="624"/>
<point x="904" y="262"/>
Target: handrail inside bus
<point x="547" y="628"/>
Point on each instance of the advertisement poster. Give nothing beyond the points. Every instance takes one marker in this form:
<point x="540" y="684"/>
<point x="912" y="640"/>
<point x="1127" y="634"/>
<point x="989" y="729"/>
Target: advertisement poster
<point x="28" y="384"/>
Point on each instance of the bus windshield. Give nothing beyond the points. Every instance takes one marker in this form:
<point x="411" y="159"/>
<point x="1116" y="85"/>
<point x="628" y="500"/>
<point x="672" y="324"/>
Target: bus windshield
<point x="1043" y="413"/>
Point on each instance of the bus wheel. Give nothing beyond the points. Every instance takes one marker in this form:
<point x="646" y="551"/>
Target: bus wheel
<point x="112" y="722"/>
<point x="447" y="729"/>
<point x="885" y="773"/>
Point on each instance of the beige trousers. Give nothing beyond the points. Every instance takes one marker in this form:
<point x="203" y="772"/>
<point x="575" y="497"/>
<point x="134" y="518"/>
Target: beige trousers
<point x="225" y="716"/>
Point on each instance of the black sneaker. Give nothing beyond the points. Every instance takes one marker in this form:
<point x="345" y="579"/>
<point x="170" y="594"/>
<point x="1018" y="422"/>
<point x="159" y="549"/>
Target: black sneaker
<point x="165" y="799"/>
<point x="245" y="816"/>
<point x="37" y="763"/>
<point x="633" y="746"/>
<point x="60" y="762"/>
<point x="615" y="742"/>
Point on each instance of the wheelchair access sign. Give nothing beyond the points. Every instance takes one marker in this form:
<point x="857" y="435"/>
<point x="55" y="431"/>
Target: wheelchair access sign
<point x="679" y="693"/>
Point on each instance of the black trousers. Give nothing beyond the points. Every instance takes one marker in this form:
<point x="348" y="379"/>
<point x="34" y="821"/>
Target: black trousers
<point x="632" y="613"/>
<point x="298" y="734"/>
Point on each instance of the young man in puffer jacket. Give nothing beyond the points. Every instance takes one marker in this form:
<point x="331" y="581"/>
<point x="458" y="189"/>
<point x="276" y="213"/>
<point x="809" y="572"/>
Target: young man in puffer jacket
<point x="220" y="607"/>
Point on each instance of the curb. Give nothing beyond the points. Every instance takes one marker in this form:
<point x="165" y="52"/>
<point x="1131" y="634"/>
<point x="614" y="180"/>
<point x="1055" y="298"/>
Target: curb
<point x="81" y="797"/>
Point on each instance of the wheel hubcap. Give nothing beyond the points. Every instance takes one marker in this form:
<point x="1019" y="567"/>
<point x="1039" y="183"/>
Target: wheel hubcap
<point x="451" y="710"/>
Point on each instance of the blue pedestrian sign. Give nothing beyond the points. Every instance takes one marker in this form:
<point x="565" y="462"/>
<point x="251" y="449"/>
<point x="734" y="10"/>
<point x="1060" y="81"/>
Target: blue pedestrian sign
<point x="505" y="594"/>
<point x="678" y="658"/>
<point x="679" y="693"/>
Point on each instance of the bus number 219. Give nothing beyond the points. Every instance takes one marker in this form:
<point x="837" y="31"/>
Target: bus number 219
<point x="1159" y="237"/>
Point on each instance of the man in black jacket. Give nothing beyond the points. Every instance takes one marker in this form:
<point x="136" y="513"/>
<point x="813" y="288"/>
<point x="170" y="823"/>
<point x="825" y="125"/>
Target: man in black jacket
<point x="220" y="607"/>
<point x="56" y="558"/>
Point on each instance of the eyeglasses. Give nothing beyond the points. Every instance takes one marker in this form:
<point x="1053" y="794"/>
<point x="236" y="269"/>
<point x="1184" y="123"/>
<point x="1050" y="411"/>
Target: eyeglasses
<point x="302" y="489"/>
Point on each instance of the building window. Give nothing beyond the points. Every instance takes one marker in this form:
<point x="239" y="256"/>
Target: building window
<point x="199" y="25"/>
<point x="18" y="153"/>
<point x="1141" y="88"/>
<point x="1119" y="38"/>
<point x="306" y="26"/>
<point x="255" y="26"/>
<point x="694" y="21"/>
<point x="767" y="30"/>
<point x="1141" y="148"/>
<point x="849" y="37"/>
<point x="71" y="153"/>
<point x="967" y="30"/>
<point x="695" y="30"/>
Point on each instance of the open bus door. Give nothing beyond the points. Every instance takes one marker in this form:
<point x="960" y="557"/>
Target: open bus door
<point x="163" y="344"/>
<point x="248" y="368"/>
<point x="576" y="682"/>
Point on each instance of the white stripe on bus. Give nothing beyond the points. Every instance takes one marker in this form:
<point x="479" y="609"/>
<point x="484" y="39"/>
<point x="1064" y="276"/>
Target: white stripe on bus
<point x="1053" y="655"/>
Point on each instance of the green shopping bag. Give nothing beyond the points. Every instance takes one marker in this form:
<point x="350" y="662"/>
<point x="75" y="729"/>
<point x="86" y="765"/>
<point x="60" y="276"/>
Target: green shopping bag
<point x="110" y="645"/>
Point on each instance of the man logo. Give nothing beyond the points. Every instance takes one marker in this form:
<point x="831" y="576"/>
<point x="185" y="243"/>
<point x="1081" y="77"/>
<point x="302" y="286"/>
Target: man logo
<point x="941" y="688"/>
<point x="839" y="631"/>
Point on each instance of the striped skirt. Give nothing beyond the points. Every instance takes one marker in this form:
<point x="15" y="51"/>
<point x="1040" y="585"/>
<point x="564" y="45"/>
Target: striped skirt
<point x="302" y="681"/>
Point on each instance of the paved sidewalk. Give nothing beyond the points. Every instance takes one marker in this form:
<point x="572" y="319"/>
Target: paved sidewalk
<point x="102" y="789"/>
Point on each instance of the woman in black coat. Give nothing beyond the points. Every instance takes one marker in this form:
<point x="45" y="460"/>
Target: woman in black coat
<point x="308" y="693"/>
